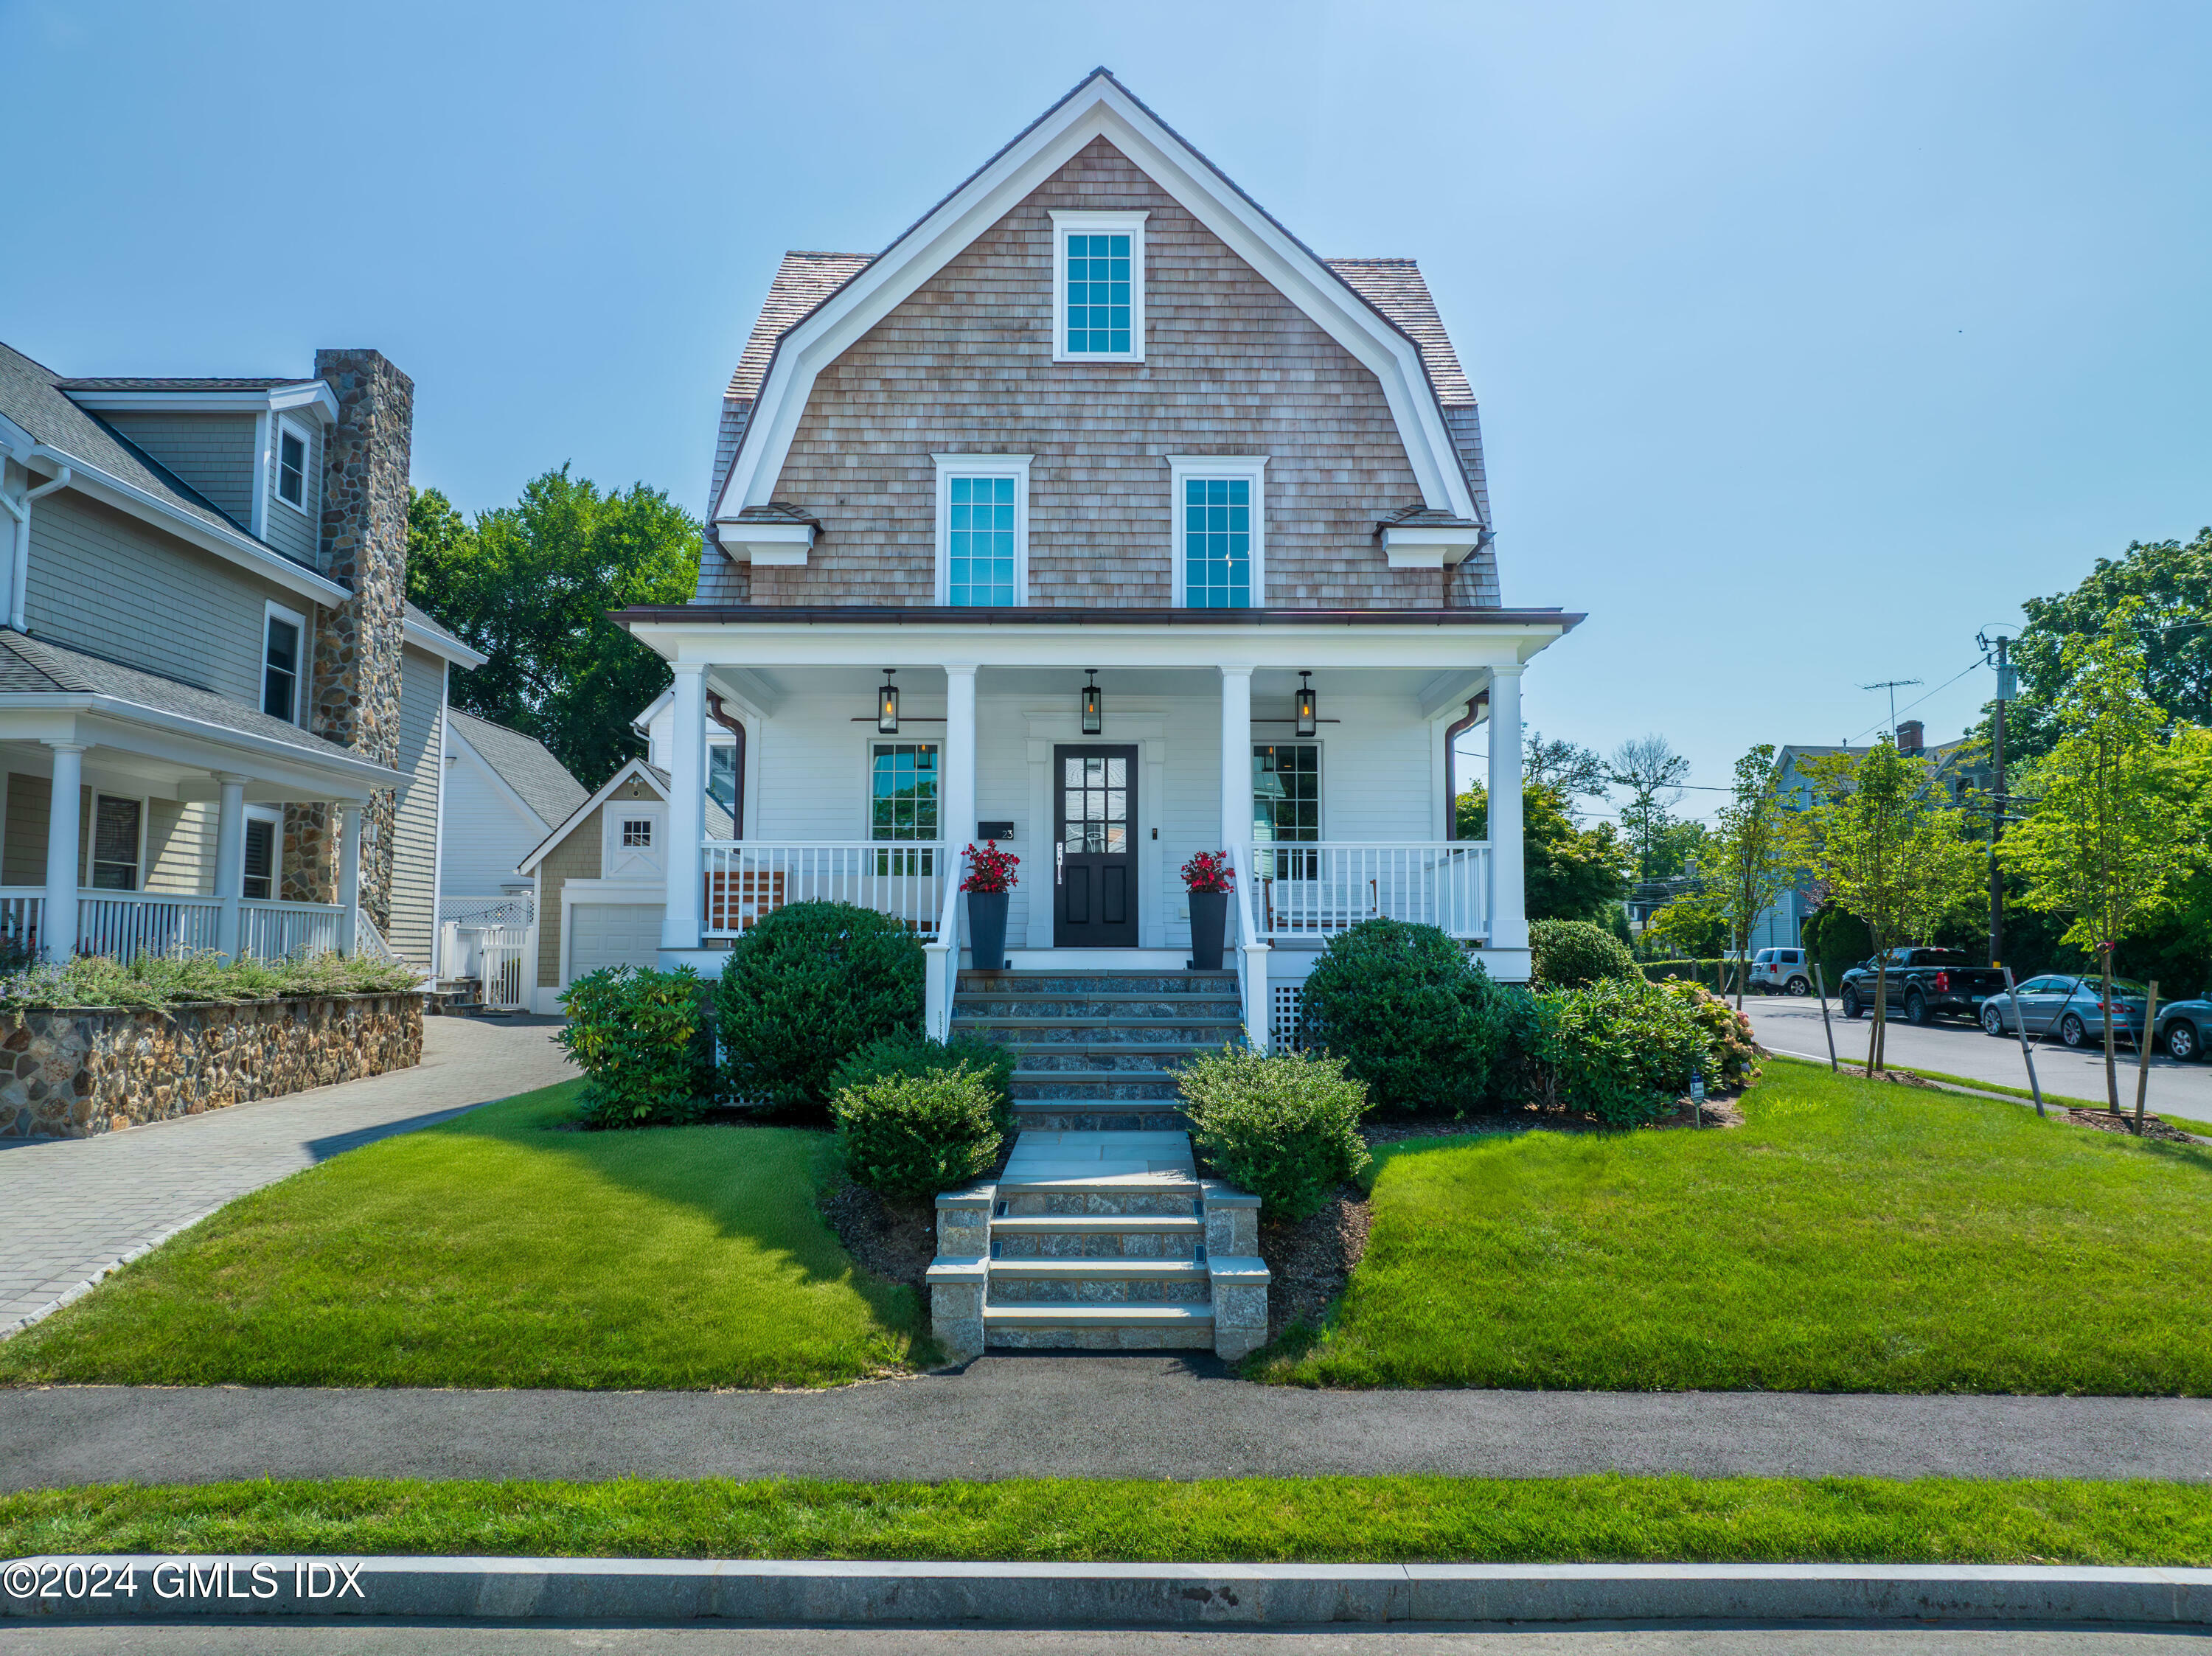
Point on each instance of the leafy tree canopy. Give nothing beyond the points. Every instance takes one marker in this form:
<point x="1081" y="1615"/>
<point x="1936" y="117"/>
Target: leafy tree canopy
<point x="1651" y="773"/>
<point x="2169" y="584"/>
<point x="1571" y="873"/>
<point x="1568" y="768"/>
<point x="529" y="584"/>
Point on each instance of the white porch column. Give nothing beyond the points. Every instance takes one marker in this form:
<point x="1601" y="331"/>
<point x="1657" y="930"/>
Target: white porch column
<point x="687" y="809"/>
<point x="956" y="820"/>
<point x="230" y="860"/>
<point x="1509" y="918"/>
<point x="57" y="923"/>
<point x="356" y="812"/>
<point x="1236" y="756"/>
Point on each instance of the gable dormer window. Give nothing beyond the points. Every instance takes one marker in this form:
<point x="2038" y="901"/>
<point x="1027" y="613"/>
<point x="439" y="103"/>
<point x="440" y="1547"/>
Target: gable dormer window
<point x="1098" y="286"/>
<point x="982" y="530"/>
<point x="291" y="465"/>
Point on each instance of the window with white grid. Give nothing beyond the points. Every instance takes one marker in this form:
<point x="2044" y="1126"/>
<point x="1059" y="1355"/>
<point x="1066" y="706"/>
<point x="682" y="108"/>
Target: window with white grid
<point x="1098" y="286"/>
<point x="982" y="530"/>
<point x="1220" y="530"/>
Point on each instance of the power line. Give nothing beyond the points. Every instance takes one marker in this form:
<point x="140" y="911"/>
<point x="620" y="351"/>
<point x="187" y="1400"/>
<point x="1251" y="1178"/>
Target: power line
<point x="1977" y="662"/>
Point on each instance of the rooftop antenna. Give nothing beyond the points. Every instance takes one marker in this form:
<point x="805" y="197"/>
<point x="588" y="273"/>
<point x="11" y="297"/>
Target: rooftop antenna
<point x="1891" y="685"/>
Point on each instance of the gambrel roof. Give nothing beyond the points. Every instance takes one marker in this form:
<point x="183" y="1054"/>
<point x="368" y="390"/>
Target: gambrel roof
<point x="1379" y="310"/>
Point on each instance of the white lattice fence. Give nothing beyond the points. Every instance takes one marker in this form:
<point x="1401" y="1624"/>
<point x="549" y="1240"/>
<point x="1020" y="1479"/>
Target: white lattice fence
<point x="1284" y="1002"/>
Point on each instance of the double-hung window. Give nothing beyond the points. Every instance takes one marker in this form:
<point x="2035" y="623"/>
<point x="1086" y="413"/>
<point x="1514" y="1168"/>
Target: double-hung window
<point x="1098" y="286"/>
<point x="1219" y="530"/>
<point x="260" y="883"/>
<point x="117" y="842"/>
<point x="983" y="529"/>
<point x="1286" y="809"/>
<point x="283" y="634"/>
<point x="292" y="453"/>
<point x="902" y="804"/>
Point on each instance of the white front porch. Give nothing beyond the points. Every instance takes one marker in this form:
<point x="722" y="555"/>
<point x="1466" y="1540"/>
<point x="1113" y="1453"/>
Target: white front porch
<point x="1366" y="835"/>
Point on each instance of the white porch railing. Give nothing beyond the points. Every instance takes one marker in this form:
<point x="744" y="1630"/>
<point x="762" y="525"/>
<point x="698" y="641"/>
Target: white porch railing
<point x="1250" y="955"/>
<point x="20" y="915"/>
<point x="746" y="879"/>
<point x="1312" y="892"/>
<point x="941" y="958"/>
<point x="272" y="930"/>
<point x="128" y="924"/>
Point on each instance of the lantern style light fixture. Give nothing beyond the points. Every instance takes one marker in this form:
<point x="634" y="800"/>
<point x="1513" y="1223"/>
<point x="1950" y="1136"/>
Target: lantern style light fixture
<point x="887" y="706"/>
<point x="1094" y="705"/>
<point x="1309" y="707"/>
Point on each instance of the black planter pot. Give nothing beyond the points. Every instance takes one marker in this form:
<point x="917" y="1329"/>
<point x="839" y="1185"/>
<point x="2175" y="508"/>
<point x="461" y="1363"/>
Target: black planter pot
<point x="1209" y="920"/>
<point x="986" y="930"/>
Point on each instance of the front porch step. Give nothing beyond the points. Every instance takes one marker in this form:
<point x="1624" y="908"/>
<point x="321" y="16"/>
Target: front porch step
<point x="1220" y="984"/>
<point x="1055" y="1058"/>
<point x="1093" y="1268"/>
<point x="1095" y="1008"/>
<point x="1100" y="1115"/>
<point x="1118" y="1084"/>
<point x="1115" y="1327"/>
<point x="1176" y="1033"/>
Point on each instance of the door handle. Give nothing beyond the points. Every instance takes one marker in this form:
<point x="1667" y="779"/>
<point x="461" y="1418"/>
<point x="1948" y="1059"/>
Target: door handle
<point x="1059" y="863"/>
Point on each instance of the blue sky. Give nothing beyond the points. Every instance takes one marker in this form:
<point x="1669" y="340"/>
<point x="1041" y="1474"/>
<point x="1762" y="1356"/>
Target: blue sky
<point x="1809" y="340"/>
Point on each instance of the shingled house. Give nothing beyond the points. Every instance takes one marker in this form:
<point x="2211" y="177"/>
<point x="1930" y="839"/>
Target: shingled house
<point x="220" y="720"/>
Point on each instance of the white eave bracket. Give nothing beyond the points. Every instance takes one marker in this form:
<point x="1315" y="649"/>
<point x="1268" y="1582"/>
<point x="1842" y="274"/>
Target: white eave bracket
<point x="766" y="545"/>
<point x="1429" y="546"/>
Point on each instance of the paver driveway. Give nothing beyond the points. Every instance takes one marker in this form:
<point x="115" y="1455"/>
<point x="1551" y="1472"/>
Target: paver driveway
<point x="72" y="1209"/>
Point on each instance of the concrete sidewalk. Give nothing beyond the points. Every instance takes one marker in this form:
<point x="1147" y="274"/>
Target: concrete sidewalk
<point x="71" y="1210"/>
<point x="1139" y="1415"/>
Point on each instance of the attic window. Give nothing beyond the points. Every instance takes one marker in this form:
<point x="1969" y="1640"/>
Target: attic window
<point x="292" y="466"/>
<point x="1098" y="286"/>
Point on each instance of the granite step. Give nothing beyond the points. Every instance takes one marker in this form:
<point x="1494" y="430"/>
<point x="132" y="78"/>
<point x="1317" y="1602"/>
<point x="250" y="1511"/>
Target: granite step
<point x="1178" y="1034"/>
<point x="1120" y="1085"/>
<point x="1122" y="1327"/>
<point x="1101" y="1114"/>
<point x="1089" y="1009"/>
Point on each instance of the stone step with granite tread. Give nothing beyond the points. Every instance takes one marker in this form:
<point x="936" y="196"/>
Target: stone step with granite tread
<point x="1120" y="1084"/>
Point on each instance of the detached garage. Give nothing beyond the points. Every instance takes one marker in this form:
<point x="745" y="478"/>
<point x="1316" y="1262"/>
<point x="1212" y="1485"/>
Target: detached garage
<point x="599" y="881"/>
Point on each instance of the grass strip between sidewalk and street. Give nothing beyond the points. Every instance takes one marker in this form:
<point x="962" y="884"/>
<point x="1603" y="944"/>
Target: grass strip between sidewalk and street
<point x="1608" y="1519"/>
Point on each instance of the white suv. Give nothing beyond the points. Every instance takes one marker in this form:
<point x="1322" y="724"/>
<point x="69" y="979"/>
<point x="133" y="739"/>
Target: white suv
<point x="1781" y="970"/>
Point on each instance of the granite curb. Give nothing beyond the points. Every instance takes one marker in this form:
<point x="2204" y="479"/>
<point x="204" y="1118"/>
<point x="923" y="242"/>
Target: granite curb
<point x="804" y="1592"/>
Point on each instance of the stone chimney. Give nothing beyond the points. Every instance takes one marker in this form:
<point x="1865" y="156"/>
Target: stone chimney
<point x="1908" y="736"/>
<point x="354" y="682"/>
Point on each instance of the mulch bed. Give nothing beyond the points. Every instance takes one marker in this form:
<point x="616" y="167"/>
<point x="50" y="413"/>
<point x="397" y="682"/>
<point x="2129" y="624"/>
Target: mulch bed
<point x="1311" y="1259"/>
<point x="2106" y="1121"/>
<point x="893" y="1239"/>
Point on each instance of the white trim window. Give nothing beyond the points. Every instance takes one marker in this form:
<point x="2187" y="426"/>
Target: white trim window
<point x="283" y="662"/>
<point x="903" y="801"/>
<point x="1220" y="530"/>
<point x="264" y="834"/>
<point x="982" y="530"/>
<point x="1098" y="286"/>
<point x="115" y="851"/>
<point x="295" y="449"/>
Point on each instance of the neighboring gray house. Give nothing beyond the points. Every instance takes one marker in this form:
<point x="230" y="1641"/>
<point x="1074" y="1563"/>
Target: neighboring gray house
<point x="220" y="720"/>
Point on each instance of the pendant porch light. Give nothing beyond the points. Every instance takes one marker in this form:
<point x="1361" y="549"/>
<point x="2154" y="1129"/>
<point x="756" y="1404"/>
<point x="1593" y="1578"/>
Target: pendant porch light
<point x="1309" y="706"/>
<point x="887" y="706"/>
<point x="1094" y="705"/>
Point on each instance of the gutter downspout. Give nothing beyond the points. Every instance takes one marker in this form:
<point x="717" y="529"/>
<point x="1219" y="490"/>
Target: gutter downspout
<point x="19" y="567"/>
<point x="1452" y="734"/>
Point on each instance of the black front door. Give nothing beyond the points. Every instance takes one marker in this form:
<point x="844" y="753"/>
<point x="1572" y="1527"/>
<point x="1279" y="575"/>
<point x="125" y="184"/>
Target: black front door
<point x="1095" y="848"/>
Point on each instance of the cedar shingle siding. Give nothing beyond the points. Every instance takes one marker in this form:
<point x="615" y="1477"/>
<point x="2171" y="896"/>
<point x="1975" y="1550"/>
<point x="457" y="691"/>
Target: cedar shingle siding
<point x="965" y="364"/>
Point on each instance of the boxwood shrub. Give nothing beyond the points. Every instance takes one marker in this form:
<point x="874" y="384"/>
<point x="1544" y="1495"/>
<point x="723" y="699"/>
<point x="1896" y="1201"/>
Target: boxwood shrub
<point x="806" y="985"/>
<point x="1412" y="1015"/>
<point x="1285" y="1128"/>
<point x="643" y="1042"/>
<point x="910" y="1133"/>
<point x="910" y="1052"/>
<point x="1574" y="953"/>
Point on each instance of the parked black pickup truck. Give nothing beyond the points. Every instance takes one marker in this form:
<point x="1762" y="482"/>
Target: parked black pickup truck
<point x="1925" y="984"/>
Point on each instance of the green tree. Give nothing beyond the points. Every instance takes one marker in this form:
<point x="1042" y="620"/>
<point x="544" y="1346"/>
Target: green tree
<point x="1568" y="768"/>
<point x="1885" y="848"/>
<point x="1693" y="927"/>
<point x="1651" y="771"/>
<point x="1570" y="872"/>
<point x="2168" y="586"/>
<point x="2107" y="842"/>
<point x="531" y="585"/>
<point x="1757" y="852"/>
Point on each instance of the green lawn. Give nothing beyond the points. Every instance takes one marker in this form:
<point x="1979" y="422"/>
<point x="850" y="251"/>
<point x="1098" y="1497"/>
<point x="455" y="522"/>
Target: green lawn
<point x="1607" y="1518"/>
<point x="1850" y="1236"/>
<point x="496" y="1249"/>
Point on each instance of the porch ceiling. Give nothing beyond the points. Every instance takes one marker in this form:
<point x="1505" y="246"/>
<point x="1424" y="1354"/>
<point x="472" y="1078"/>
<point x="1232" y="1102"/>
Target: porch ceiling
<point x="858" y="683"/>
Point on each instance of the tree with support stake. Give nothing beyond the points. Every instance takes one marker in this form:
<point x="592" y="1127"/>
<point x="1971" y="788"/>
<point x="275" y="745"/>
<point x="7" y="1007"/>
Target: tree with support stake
<point x="1758" y="846"/>
<point x="2107" y="842"/>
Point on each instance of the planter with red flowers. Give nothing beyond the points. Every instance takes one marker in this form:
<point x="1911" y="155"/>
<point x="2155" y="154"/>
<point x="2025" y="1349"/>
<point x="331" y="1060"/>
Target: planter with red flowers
<point x="1210" y="879"/>
<point x="989" y="879"/>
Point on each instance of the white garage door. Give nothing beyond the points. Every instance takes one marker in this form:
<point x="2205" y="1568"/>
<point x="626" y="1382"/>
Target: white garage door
<point x="612" y="934"/>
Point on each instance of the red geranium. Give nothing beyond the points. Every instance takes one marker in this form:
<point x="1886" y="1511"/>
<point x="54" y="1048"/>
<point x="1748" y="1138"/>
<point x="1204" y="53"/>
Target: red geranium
<point x="1210" y="870"/>
<point x="990" y="871"/>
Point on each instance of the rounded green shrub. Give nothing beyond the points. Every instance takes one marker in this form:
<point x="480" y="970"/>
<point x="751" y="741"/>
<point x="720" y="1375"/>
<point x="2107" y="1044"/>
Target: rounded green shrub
<point x="805" y="986"/>
<point x="1414" y="1018"/>
<point x="642" y="1040"/>
<point x="910" y="1134"/>
<point x="1285" y="1128"/>
<point x="910" y="1052"/>
<point x="1574" y="954"/>
<point x="1621" y="1052"/>
<point x="1731" y="1054"/>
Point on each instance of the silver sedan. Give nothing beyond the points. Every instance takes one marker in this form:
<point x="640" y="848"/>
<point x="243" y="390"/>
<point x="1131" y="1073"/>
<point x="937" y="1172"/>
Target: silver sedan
<point x="2068" y="1006"/>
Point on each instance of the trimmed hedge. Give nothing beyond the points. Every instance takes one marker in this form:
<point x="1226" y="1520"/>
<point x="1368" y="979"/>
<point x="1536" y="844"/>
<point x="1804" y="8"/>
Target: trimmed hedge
<point x="644" y="1043"/>
<point x="1285" y="1128"/>
<point x="910" y="1052"/>
<point x="1712" y="972"/>
<point x="1572" y="954"/>
<point x="1413" y="1016"/>
<point x="806" y="985"/>
<point x="914" y="1134"/>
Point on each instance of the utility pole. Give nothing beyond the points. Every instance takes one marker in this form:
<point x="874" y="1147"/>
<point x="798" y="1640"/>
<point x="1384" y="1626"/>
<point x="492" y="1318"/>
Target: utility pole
<point x="1994" y="652"/>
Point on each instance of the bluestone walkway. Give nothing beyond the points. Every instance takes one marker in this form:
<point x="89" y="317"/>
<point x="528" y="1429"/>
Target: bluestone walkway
<point x="1136" y="1415"/>
<point x="72" y="1209"/>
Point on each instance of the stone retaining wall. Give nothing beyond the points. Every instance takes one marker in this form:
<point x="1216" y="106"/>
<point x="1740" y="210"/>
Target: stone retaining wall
<point x="79" y="1070"/>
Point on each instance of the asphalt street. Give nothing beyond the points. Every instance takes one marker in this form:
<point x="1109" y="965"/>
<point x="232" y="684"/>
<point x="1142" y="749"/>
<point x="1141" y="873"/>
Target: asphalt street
<point x="1135" y="1414"/>
<point x="1787" y="1024"/>
<point x="1680" y="1640"/>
